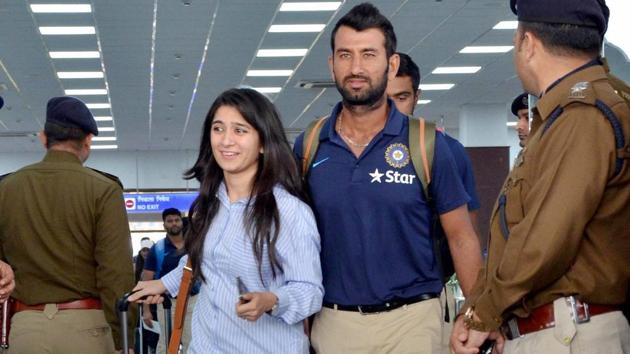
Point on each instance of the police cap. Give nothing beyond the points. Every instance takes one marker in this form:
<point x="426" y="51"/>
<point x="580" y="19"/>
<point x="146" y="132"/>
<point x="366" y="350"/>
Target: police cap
<point x="520" y="102"/>
<point x="71" y="112"/>
<point x="587" y="13"/>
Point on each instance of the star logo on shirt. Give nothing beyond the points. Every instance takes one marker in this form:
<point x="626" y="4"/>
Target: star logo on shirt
<point x="376" y="176"/>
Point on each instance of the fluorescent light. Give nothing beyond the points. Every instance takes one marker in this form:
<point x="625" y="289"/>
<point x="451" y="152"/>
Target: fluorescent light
<point x="104" y="138"/>
<point x="67" y="30"/>
<point x="506" y="25"/>
<point x="86" y="92"/>
<point x="435" y="87"/>
<point x="75" y="55"/>
<point x="269" y="72"/>
<point x="511" y="124"/>
<point x="266" y="53"/>
<point x="268" y="89"/>
<point x="310" y="6"/>
<point x="456" y="70"/>
<point x="98" y="105"/>
<point x="486" y="49"/>
<point x="107" y="129"/>
<point x="423" y="102"/>
<point x="103" y="147"/>
<point x="103" y="118"/>
<point x="80" y="74"/>
<point x="296" y="28"/>
<point x="61" y="8"/>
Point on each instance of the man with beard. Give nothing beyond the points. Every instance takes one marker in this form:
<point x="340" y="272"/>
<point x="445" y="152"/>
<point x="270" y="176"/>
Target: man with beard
<point x="558" y="264"/>
<point x="380" y="274"/>
<point x="163" y="257"/>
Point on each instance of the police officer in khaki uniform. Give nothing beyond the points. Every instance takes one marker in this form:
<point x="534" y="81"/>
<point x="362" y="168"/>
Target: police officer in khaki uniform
<point x="64" y="230"/>
<point x="519" y="109"/>
<point x="558" y="265"/>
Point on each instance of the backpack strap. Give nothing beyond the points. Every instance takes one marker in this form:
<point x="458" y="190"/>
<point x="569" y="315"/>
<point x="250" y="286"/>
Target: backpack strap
<point x="422" y="149"/>
<point x="311" y="143"/>
<point x="159" y="257"/>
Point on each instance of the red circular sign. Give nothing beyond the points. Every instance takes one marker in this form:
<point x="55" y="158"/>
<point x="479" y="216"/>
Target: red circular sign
<point x="129" y="203"/>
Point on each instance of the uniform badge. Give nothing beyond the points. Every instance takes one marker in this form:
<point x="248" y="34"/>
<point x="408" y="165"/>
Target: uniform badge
<point x="577" y="91"/>
<point x="397" y="155"/>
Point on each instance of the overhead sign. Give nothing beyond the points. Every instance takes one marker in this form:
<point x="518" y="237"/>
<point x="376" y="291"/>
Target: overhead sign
<point x="158" y="202"/>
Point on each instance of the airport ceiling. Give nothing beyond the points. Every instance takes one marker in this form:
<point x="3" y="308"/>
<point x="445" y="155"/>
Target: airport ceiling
<point x="163" y="62"/>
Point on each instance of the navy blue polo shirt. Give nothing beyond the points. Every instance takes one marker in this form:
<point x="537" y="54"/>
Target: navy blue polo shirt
<point x="169" y="262"/>
<point x="464" y="167"/>
<point x="372" y="216"/>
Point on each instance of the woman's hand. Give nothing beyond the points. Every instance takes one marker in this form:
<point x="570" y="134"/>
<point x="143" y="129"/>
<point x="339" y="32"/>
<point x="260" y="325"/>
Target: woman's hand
<point x="148" y="292"/>
<point x="253" y="305"/>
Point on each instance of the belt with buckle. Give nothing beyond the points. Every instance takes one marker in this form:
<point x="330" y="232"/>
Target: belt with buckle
<point x="89" y="303"/>
<point x="542" y="317"/>
<point x="387" y="306"/>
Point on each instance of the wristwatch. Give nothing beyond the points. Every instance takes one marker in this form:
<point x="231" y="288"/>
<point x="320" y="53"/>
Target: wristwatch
<point x="469" y="321"/>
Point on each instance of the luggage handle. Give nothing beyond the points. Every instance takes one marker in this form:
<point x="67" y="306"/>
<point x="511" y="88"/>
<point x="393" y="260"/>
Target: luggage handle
<point x="123" y="307"/>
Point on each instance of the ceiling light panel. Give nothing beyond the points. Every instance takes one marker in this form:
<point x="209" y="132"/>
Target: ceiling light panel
<point x="424" y="101"/>
<point x="103" y="138"/>
<point x="255" y="73"/>
<point x="310" y="6"/>
<point x="297" y="28"/>
<point x="103" y="118"/>
<point x="75" y="55"/>
<point x="107" y="129"/>
<point x="511" y="124"/>
<point x="86" y="92"/>
<point x="98" y="105"/>
<point x="273" y="89"/>
<point x="103" y="147"/>
<point x="70" y="30"/>
<point x="61" y="8"/>
<point x="456" y="70"/>
<point x="486" y="49"/>
<point x="506" y="25"/>
<point x="436" y="87"/>
<point x="80" y="74"/>
<point x="275" y="53"/>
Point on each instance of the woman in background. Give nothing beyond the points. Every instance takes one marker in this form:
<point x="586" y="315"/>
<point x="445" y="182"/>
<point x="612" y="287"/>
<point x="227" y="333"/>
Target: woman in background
<point x="249" y="225"/>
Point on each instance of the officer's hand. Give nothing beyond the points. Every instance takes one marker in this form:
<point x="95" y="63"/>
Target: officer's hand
<point x="7" y="281"/>
<point x="459" y="337"/>
<point x="147" y="317"/>
<point x="499" y="342"/>
<point x="120" y="351"/>
<point x="253" y="305"/>
<point x="148" y="292"/>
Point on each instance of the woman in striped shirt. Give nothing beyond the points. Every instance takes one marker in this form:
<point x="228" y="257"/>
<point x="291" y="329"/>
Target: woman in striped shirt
<point x="249" y="225"/>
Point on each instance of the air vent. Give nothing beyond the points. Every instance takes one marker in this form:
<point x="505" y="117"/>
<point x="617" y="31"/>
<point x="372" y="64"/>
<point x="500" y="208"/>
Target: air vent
<point x="308" y="84"/>
<point x="18" y="134"/>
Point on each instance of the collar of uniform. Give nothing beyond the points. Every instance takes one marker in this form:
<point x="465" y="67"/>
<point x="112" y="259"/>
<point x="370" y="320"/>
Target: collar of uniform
<point x="393" y="125"/>
<point x="61" y="156"/>
<point x="560" y="94"/>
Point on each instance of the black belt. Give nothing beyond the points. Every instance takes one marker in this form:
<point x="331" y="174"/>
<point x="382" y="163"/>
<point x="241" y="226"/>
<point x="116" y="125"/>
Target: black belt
<point x="388" y="306"/>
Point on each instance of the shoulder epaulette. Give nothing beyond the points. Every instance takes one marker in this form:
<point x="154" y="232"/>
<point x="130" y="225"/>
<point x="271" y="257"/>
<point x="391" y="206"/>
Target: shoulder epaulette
<point x="108" y="175"/>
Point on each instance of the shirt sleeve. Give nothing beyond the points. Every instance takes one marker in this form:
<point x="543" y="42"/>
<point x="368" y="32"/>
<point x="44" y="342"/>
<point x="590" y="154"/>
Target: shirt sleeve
<point x="298" y="250"/>
<point x="556" y="210"/>
<point x="151" y="261"/>
<point x="113" y="255"/>
<point x="446" y="186"/>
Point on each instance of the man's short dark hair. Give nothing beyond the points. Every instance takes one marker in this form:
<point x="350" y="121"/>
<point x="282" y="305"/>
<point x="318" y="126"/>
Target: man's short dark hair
<point x="566" y="39"/>
<point x="57" y="134"/>
<point x="409" y="68"/>
<point x="365" y="16"/>
<point x="170" y="211"/>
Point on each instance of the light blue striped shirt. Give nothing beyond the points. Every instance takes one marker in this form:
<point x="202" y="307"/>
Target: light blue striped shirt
<point x="227" y="254"/>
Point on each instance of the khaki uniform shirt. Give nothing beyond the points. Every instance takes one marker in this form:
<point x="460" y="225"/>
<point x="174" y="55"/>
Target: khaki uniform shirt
<point x="568" y="215"/>
<point x="64" y="230"/>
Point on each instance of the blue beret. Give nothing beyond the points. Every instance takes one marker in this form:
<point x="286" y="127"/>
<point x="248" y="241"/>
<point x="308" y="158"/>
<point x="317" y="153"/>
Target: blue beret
<point x="71" y="112"/>
<point x="520" y="102"/>
<point x="587" y="13"/>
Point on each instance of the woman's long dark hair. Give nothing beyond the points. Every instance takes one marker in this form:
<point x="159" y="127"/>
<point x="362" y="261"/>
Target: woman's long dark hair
<point x="276" y="165"/>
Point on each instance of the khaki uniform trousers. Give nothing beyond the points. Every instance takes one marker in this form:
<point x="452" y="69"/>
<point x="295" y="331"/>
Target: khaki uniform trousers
<point x="186" y="333"/>
<point x="415" y="328"/>
<point x="606" y="333"/>
<point x="60" y="332"/>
